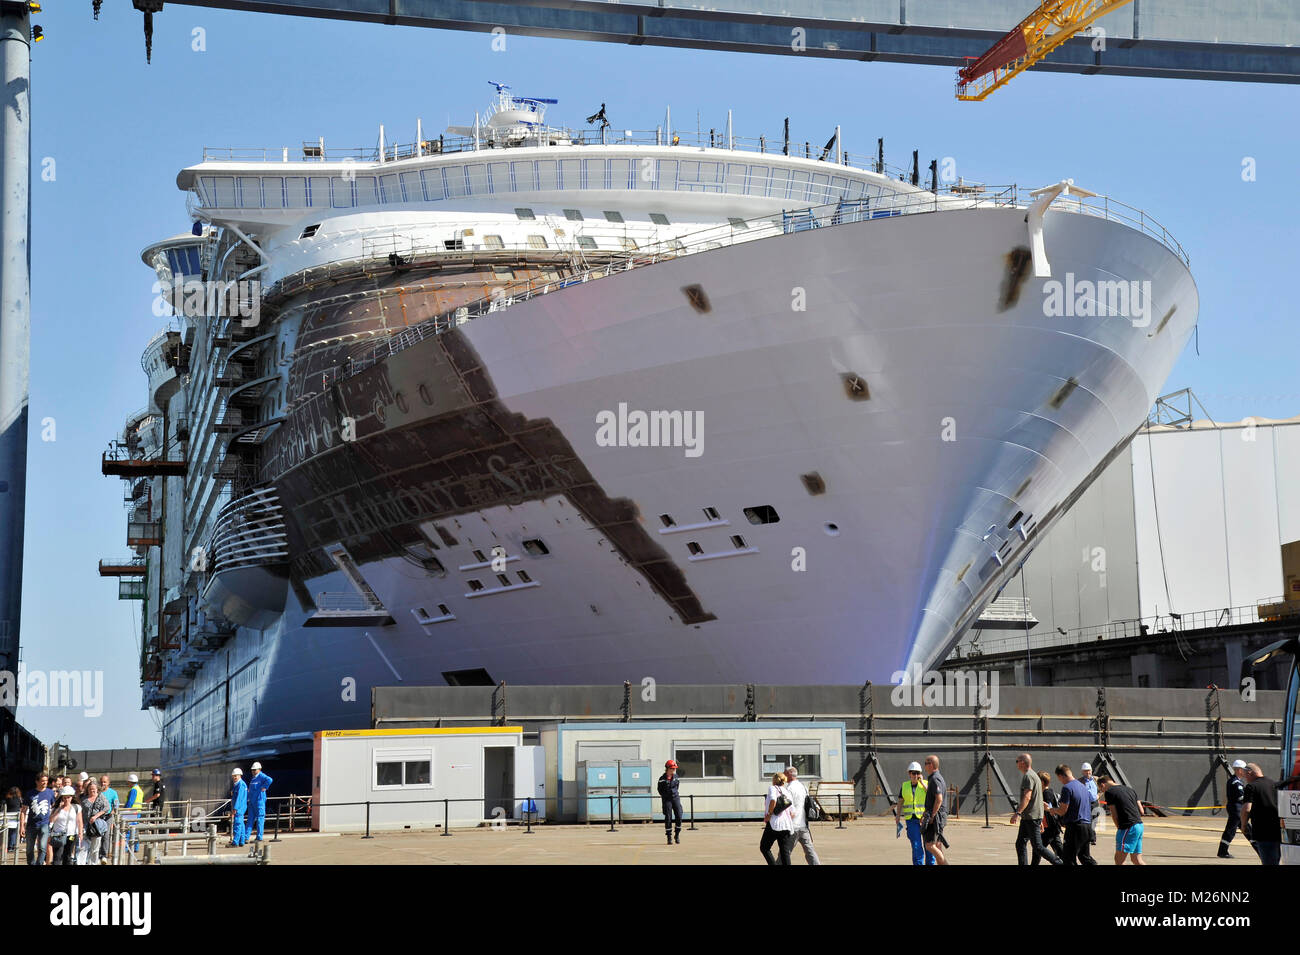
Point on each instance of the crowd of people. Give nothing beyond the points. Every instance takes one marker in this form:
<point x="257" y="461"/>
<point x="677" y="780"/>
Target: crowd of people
<point x="68" y="820"/>
<point x="1060" y="827"/>
<point x="1057" y="826"/>
<point x="73" y="821"/>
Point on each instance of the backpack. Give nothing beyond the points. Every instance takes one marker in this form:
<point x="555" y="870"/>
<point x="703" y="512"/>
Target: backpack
<point x="812" y="809"/>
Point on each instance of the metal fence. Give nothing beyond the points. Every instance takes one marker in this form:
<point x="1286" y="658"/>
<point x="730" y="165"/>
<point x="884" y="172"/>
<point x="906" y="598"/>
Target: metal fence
<point x="1168" y="623"/>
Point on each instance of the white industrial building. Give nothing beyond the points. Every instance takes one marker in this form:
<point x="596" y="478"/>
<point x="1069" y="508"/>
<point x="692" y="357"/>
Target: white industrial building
<point x="1183" y="531"/>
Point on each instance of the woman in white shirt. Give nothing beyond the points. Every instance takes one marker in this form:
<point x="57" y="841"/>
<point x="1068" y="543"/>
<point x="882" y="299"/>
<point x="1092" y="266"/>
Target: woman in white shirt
<point x="65" y="827"/>
<point x="778" y="822"/>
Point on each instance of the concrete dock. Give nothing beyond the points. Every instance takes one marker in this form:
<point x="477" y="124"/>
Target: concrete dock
<point x="1177" y="841"/>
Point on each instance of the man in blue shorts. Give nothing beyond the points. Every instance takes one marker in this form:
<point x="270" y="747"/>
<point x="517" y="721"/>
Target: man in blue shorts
<point x="1122" y="803"/>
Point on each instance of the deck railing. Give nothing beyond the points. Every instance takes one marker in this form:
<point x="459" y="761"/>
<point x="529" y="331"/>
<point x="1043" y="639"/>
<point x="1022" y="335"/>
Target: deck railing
<point x="730" y="233"/>
<point x="450" y="145"/>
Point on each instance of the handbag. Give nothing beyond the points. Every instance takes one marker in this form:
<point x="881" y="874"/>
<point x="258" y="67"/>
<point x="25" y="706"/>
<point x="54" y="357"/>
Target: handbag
<point x="780" y="804"/>
<point x="100" y="826"/>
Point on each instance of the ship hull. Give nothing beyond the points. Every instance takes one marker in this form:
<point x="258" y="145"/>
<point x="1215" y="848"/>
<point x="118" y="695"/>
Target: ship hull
<point x="894" y="392"/>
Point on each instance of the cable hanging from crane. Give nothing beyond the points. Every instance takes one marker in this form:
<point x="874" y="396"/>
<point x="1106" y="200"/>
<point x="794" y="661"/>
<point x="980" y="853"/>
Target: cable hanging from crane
<point x="1037" y="35"/>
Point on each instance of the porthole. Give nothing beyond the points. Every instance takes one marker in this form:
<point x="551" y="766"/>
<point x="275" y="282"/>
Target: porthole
<point x="424" y="394"/>
<point x="400" y="399"/>
<point x="832" y="529"/>
<point x="380" y="413"/>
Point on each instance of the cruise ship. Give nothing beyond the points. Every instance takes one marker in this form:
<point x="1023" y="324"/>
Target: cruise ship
<point x="529" y="404"/>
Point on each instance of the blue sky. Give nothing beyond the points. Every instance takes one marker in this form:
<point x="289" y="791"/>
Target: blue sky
<point x="118" y="131"/>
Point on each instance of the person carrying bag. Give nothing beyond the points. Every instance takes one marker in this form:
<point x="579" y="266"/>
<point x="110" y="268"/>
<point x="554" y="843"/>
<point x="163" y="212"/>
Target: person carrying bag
<point x="778" y="822"/>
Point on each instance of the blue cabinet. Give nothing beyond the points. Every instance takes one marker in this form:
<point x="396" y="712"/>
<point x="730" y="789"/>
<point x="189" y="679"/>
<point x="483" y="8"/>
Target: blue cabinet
<point x="623" y="787"/>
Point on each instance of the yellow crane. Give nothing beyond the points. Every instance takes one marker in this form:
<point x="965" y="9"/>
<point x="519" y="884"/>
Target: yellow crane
<point x="1038" y="34"/>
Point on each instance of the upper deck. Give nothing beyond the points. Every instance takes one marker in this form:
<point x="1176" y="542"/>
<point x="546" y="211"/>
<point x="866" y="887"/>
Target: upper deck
<point x="275" y="187"/>
<point x="509" y="160"/>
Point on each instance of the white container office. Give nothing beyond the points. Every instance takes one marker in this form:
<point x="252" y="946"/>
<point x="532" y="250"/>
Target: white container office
<point x="419" y="778"/>
<point x="726" y="766"/>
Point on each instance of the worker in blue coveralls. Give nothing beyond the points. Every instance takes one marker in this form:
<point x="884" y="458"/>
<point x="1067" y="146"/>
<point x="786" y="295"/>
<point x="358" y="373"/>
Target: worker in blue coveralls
<point x="258" y="784"/>
<point x="238" y="806"/>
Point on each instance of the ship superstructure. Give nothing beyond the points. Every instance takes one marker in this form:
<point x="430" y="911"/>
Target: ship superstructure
<point x="537" y="405"/>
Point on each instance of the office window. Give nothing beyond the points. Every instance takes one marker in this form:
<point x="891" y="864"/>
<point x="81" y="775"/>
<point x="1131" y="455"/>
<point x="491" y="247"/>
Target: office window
<point x="704" y="760"/>
<point x="403" y="769"/>
<point x="803" y="755"/>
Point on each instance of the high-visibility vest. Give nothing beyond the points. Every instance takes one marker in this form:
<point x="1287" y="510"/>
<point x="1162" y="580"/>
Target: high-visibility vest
<point x="913" y="799"/>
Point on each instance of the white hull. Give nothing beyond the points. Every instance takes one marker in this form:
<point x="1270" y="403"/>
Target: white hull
<point x="910" y="304"/>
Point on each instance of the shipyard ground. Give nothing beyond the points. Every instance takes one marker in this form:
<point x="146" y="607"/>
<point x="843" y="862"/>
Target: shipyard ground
<point x="1177" y="841"/>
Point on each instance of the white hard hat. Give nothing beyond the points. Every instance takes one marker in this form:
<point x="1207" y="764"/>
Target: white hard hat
<point x="257" y="765"/>
<point x="236" y="771"/>
<point x="913" y="767"/>
<point x="132" y="778"/>
<point x="67" y="791"/>
<point x="1086" y="766"/>
<point x="1238" y="764"/>
<point x="85" y="776"/>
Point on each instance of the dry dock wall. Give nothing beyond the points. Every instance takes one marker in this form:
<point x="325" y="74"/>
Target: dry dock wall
<point x="1164" y="740"/>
